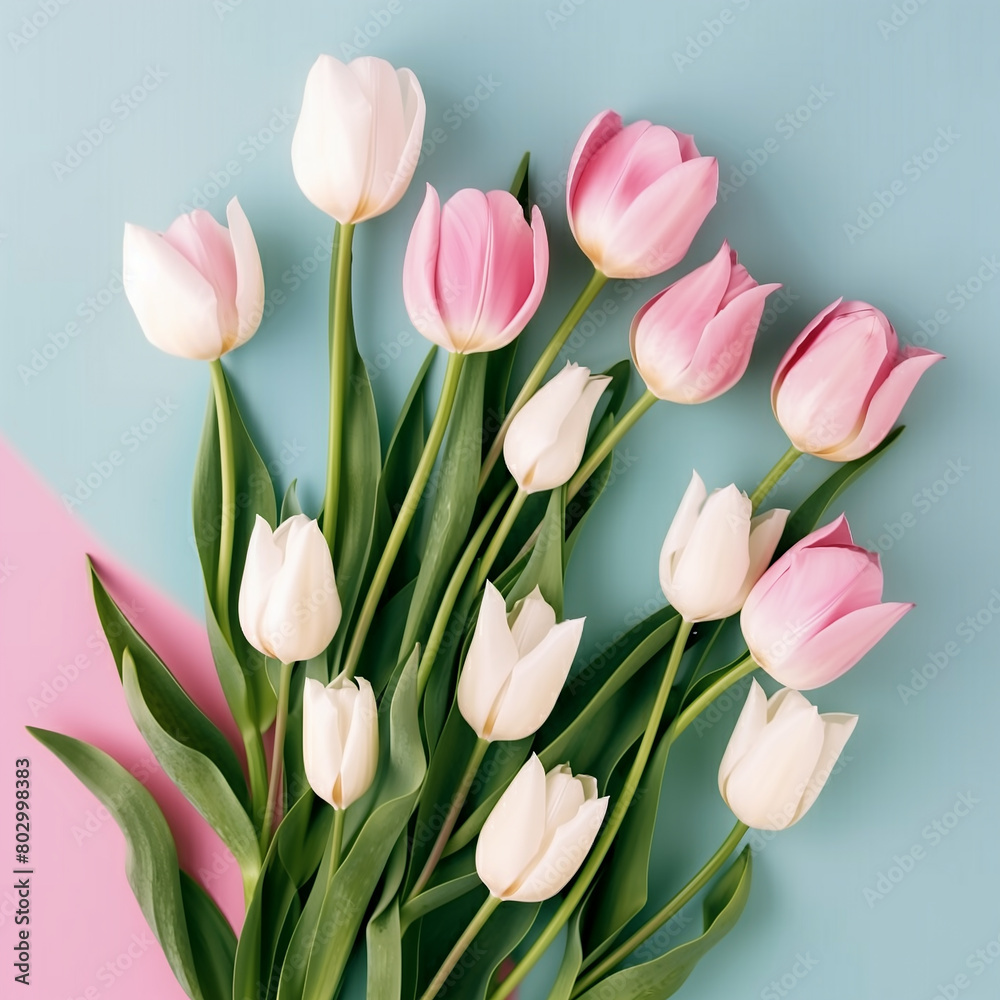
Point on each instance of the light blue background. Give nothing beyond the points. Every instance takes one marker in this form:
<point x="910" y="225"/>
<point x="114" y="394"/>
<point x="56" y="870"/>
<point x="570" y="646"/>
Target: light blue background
<point x="222" y="72"/>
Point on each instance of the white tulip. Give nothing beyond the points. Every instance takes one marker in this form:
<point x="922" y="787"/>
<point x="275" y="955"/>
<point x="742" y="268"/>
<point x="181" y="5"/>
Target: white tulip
<point x="547" y="437"/>
<point x="197" y="289"/>
<point x="289" y="605"/>
<point x="715" y="551"/>
<point x="516" y="666"/>
<point x="339" y="738"/>
<point x="779" y="757"/>
<point x="538" y="834"/>
<point x="358" y="136"/>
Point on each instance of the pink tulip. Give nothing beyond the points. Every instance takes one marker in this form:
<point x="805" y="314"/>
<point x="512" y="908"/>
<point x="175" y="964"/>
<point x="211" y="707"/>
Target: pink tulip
<point x="474" y="270"/>
<point x="637" y="194"/>
<point x="817" y="610"/>
<point x="843" y="382"/>
<point x="197" y="289"/>
<point x="692" y="341"/>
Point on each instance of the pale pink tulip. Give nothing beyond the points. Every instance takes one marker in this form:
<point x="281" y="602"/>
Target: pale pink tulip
<point x="637" y="194"/>
<point x="818" y="609"/>
<point x="692" y="341"/>
<point x="474" y="270"/>
<point x="843" y="382"/>
<point x="197" y="289"/>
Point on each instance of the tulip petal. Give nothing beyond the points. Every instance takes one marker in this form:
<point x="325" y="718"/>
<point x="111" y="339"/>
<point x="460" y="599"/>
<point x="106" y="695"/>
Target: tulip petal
<point x="531" y="620"/>
<point x="656" y="231"/>
<point x="749" y="726"/>
<point x="401" y="170"/>
<point x="765" y="533"/>
<point x="886" y="405"/>
<point x="357" y="770"/>
<point x="420" y="273"/>
<point x="837" y="729"/>
<point x="249" y="291"/>
<point x="513" y="831"/>
<point x="331" y="144"/>
<point x="535" y="682"/>
<point x="540" y="272"/>
<point x="260" y="569"/>
<point x="322" y="748"/>
<point x="488" y="664"/>
<point x="175" y="305"/>
<point x="797" y="348"/>
<point x="838" y="647"/>
<point x="564" y="795"/>
<point x="380" y="85"/>
<point x="766" y="784"/>
<point x="600" y="130"/>
<point x="680" y="529"/>
<point x="569" y="846"/>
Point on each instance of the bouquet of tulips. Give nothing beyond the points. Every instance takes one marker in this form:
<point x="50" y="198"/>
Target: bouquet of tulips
<point x="439" y="770"/>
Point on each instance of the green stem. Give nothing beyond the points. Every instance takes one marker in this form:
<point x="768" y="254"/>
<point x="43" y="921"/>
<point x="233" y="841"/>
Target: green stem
<point x="614" y="822"/>
<point x="499" y="537"/>
<point x="457" y="801"/>
<point x="542" y="365"/>
<point x="340" y="318"/>
<point x="592" y="461"/>
<point x="228" y="470"/>
<point x="697" y="883"/>
<point x="771" y="479"/>
<point x="744" y="668"/>
<point x="277" y="755"/>
<point x="336" y="845"/>
<point x="455" y="584"/>
<point x="410" y="503"/>
<point x="256" y="766"/>
<point x="468" y="936"/>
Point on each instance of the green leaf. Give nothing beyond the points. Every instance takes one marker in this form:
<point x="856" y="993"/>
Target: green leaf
<point x="360" y="465"/>
<point x="569" y="967"/>
<point x="520" y="188"/>
<point x="290" y="505"/>
<point x="453" y="877"/>
<point x="545" y="564"/>
<point x="385" y="961"/>
<point x="294" y="856"/>
<point x="806" y="516"/>
<point x="663" y="976"/>
<point x="455" y="485"/>
<point x="213" y="943"/>
<point x="254" y="495"/>
<point x="324" y="936"/>
<point x="503" y="932"/>
<point x="167" y="701"/>
<point x="151" y="858"/>
<point x="198" y="778"/>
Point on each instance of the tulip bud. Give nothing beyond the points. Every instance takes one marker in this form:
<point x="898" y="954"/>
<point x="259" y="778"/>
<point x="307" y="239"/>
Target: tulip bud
<point x="779" y="757"/>
<point x="692" y="341"/>
<point x="636" y="195"/>
<point x="715" y="551"/>
<point x="357" y="141"/>
<point x="548" y="435"/>
<point x="474" y="270"/>
<point x="289" y="606"/>
<point x="843" y="382"/>
<point x="516" y="666"/>
<point x="197" y="289"/>
<point x="816" y="611"/>
<point x="539" y="832"/>
<point x="339" y="738"/>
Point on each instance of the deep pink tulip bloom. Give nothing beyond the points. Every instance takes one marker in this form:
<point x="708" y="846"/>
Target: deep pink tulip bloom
<point x="692" y="341"/>
<point x="474" y="270"/>
<point x="843" y="382"/>
<point x="637" y="194"/>
<point x="817" y="610"/>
